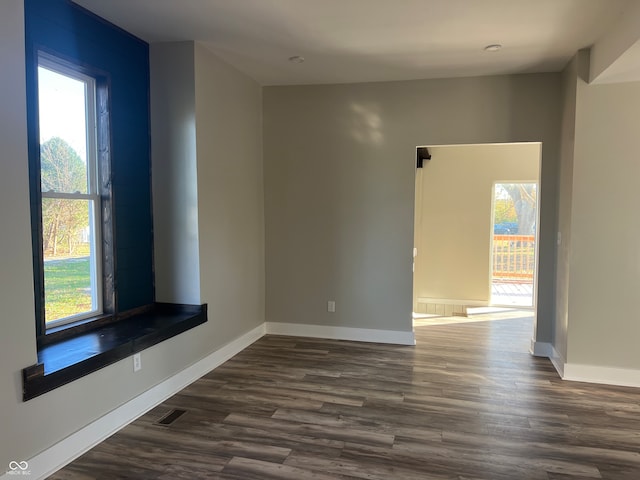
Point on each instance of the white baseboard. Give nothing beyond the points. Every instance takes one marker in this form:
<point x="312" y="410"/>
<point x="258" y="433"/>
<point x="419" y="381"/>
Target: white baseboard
<point x="545" y="349"/>
<point x="341" y="333"/>
<point x="453" y="301"/>
<point x="624" y="377"/>
<point x="541" y="349"/>
<point x="65" y="451"/>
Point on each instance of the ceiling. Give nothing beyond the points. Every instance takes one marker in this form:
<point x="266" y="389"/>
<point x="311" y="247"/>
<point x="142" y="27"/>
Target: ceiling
<point x="372" y="40"/>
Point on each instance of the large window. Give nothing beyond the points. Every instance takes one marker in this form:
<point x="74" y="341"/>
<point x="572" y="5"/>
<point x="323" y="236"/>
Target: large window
<point x="87" y="85"/>
<point x="70" y="201"/>
<point x="88" y="134"/>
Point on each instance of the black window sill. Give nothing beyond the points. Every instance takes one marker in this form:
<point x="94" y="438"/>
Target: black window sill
<point x="70" y="358"/>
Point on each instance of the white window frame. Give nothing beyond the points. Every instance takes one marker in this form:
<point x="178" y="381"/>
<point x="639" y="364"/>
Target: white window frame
<point x="95" y="223"/>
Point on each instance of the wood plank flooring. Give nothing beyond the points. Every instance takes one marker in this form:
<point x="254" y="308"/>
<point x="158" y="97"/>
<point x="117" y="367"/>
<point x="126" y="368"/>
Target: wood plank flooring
<point x="468" y="402"/>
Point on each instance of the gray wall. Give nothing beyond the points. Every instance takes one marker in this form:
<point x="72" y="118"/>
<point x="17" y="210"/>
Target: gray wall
<point x="230" y="102"/>
<point x="455" y="221"/>
<point x="605" y="228"/>
<point x="230" y="196"/>
<point x="175" y="173"/>
<point x="17" y="342"/>
<point x="597" y="265"/>
<point x="565" y="191"/>
<point x="339" y="187"/>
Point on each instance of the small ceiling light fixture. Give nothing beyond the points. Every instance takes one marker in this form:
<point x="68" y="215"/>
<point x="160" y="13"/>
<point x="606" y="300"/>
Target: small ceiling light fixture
<point x="296" y="59"/>
<point x="493" y="47"/>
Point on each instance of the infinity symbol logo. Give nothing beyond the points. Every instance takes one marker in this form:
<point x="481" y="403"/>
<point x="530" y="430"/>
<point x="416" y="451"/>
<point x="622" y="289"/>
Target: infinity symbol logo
<point x="13" y="465"/>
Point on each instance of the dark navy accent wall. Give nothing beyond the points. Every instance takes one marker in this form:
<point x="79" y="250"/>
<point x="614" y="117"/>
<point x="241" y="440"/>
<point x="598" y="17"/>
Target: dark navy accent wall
<point x="62" y="28"/>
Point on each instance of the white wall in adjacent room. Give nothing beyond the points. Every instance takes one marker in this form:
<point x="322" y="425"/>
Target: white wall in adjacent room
<point x="456" y="193"/>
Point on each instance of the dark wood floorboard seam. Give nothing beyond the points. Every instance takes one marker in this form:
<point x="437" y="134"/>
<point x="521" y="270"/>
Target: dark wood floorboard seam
<point x="467" y="402"/>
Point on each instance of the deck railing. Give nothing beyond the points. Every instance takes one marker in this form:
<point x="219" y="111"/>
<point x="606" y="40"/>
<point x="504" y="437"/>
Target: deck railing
<point x="514" y="257"/>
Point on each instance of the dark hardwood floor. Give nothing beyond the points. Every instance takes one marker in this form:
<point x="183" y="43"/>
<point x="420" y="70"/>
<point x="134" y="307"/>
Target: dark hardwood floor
<point x="468" y="402"/>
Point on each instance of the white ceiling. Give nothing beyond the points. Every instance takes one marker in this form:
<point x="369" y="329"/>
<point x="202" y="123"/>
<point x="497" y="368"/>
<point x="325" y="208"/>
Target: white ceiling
<point x="372" y="40"/>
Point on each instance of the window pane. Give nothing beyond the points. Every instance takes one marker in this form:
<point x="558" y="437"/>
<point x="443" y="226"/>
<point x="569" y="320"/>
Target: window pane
<point x="69" y="278"/>
<point x="63" y="132"/>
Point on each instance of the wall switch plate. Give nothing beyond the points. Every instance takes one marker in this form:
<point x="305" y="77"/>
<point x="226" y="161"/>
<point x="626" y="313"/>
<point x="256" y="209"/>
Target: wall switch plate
<point x="137" y="362"/>
<point x="331" y="306"/>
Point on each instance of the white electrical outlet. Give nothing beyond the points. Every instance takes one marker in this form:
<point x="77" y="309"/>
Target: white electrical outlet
<point x="331" y="306"/>
<point x="137" y="362"/>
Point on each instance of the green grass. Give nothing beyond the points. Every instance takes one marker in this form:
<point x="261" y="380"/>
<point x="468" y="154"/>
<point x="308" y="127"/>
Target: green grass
<point x="67" y="286"/>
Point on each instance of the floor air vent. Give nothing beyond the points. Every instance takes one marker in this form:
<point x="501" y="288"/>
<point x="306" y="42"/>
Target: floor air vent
<point x="171" y="417"/>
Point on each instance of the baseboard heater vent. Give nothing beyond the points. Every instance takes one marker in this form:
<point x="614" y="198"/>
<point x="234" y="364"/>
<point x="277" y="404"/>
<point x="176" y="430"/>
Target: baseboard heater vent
<point x="171" y="417"/>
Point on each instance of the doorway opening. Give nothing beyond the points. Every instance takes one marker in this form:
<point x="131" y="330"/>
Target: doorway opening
<point x="513" y="244"/>
<point x="462" y="240"/>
